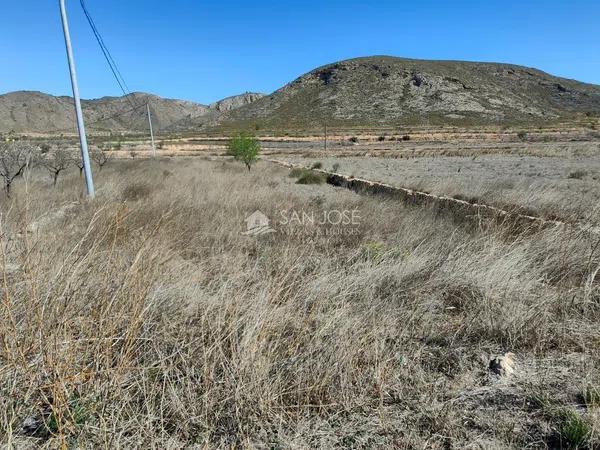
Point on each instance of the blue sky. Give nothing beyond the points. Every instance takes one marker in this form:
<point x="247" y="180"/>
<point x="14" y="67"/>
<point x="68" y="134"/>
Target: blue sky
<point x="203" y="51"/>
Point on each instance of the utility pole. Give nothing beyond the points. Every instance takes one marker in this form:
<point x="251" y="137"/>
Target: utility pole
<point x="85" y="156"/>
<point x="151" y="132"/>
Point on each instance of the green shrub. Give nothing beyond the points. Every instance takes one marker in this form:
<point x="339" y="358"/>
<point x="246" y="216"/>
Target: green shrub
<point x="521" y="135"/>
<point x="77" y="415"/>
<point x="574" y="430"/>
<point x="296" y="172"/>
<point x="591" y="396"/>
<point x="381" y="138"/>
<point x="245" y="148"/>
<point x="310" y="177"/>
<point x="317" y="165"/>
<point x="577" y="174"/>
<point x="406" y="137"/>
<point x="373" y="251"/>
<point x="353" y="139"/>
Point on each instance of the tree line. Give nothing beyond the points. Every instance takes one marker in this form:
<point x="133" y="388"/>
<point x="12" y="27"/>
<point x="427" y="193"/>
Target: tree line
<point x="19" y="156"/>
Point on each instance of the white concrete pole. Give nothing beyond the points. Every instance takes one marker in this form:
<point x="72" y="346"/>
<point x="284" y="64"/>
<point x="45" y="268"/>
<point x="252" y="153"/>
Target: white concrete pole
<point x="151" y="132"/>
<point x="85" y="156"/>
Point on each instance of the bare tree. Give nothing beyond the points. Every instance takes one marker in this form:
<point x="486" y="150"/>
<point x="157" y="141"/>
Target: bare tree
<point x="56" y="163"/>
<point x="76" y="160"/>
<point x="45" y="148"/>
<point x="101" y="157"/>
<point x="15" y="157"/>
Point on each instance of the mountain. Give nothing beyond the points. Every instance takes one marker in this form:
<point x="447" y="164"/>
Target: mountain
<point x="371" y="91"/>
<point x="236" y="101"/>
<point x="383" y="90"/>
<point x="215" y="113"/>
<point x="33" y="112"/>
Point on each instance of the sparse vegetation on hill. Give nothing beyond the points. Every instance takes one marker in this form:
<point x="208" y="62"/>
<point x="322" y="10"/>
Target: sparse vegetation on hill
<point x="30" y="112"/>
<point x="384" y="91"/>
<point x="377" y="91"/>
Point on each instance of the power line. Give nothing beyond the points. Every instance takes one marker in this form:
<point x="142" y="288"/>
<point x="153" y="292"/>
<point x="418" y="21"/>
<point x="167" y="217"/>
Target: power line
<point x="113" y="66"/>
<point x="101" y="119"/>
<point x="118" y="114"/>
<point x="128" y="96"/>
<point x="108" y="56"/>
<point x="101" y="42"/>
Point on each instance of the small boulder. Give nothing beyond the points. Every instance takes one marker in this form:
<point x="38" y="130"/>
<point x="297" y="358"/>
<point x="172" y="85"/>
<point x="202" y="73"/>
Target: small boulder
<point x="32" y="425"/>
<point x="503" y="366"/>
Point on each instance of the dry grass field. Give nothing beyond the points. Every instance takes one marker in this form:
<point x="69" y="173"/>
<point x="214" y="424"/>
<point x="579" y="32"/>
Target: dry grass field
<point x="148" y="319"/>
<point x="562" y="187"/>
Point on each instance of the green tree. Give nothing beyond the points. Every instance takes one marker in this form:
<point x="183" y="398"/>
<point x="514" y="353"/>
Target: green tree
<point x="245" y="148"/>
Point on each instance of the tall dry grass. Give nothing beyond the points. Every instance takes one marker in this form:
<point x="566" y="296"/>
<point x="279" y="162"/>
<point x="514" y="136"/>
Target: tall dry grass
<point x="145" y="319"/>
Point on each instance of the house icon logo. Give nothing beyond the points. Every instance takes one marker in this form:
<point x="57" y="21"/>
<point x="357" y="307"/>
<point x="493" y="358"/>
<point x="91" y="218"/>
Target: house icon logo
<point x="257" y="224"/>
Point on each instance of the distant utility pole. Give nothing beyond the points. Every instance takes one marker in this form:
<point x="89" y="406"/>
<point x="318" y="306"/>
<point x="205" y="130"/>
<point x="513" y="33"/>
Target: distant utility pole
<point x="151" y="132"/>
<point x="85" y="156"/>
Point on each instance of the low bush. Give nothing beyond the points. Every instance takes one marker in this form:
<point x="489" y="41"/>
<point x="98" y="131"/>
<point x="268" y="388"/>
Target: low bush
<point x="577" y="174"/>
<point x="574" y="430"/>
<point x="296" y="172"/>
<point x="310" y="177"/>
<point x="136" y="191"/>
<point x="591" y="397"/>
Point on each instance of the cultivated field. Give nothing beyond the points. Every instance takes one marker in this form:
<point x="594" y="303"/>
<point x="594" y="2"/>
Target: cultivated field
<point x="151" y="318"/>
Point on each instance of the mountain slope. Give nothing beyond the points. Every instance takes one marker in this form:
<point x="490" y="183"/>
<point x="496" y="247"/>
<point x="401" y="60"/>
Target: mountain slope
<point x="27" y="111"/>
<point x="236" y="101"/>
<point x="378" y="90"/>
<point x="216" y="112"/>
<point x="389" y="90"/>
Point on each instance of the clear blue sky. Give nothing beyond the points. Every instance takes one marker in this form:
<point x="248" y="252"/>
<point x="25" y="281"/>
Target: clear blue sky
<point x="204" y="51"/>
